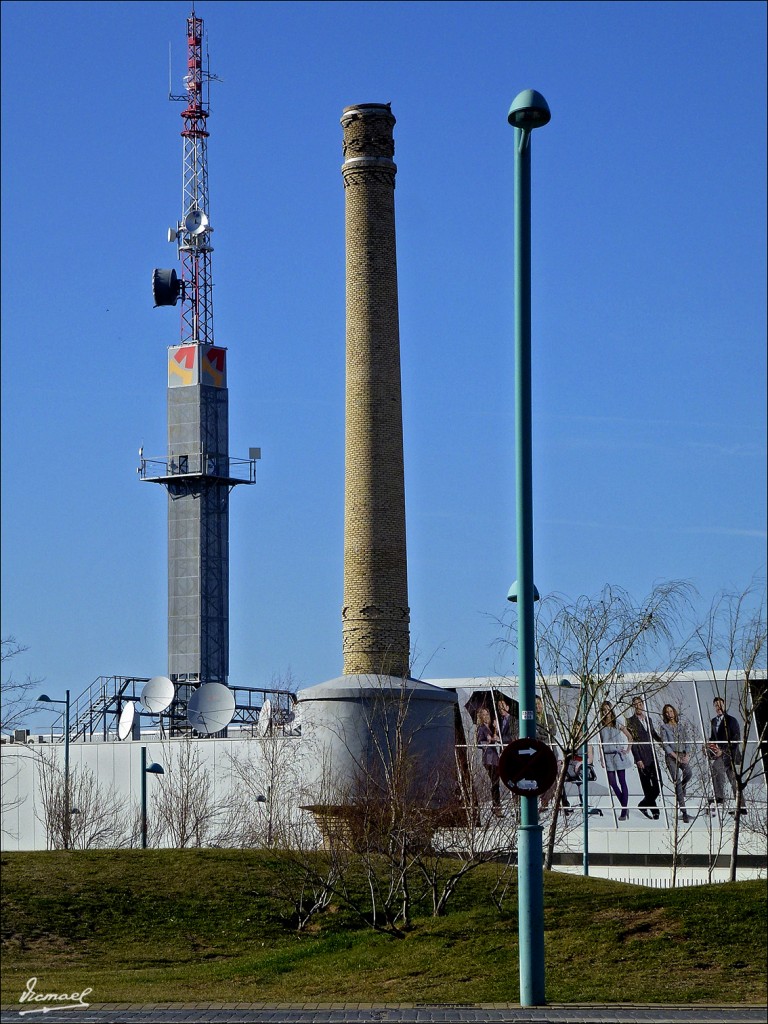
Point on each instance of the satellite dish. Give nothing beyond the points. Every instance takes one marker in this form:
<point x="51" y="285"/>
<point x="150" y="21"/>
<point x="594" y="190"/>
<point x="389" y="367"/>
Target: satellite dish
<point x="195" y="222"/>
<point x="211" y="708"/>
<point x="173" y="234"/>
<point x="166" y="287"/>
<point x="125" y="721"/>
<point x="294" y="722"/>
<point x="157" y="694"/>
<point x="265" y="718"/>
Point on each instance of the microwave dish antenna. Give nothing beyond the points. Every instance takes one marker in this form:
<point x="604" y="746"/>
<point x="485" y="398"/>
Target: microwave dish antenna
<point x="211" y="708"/>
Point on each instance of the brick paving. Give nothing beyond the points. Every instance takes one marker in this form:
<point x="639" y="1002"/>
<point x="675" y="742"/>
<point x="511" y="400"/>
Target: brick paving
<point x="376" y="1013"/>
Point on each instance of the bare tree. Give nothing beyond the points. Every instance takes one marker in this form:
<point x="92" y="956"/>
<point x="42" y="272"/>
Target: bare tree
<point x="463" y="838"/>
<point x="266" y="776"/>
<point x="95" y="818"/>
<point x="733" y="641"/>
<point x="12" y="798"/>
<point x="183" y="809"/>
<point x="595" y="644"/>
<point x="385" y="810"/>
<point x="16" y="693"/>
<point x="686" y="770"/>
<point x="412" y="821"/>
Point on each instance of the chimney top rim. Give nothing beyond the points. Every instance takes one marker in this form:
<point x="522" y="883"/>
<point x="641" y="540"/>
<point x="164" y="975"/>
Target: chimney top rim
<point x="367" y="110"/>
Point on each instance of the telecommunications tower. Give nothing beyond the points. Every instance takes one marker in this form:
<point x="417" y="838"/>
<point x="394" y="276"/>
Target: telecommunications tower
<point x="197" y="472"/>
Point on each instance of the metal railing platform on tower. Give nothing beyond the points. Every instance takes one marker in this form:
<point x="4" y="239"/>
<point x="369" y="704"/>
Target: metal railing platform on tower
<point x="95" y="712"/>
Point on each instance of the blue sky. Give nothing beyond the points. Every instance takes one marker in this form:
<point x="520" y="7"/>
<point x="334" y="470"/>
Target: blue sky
<point x="648" y="325"/>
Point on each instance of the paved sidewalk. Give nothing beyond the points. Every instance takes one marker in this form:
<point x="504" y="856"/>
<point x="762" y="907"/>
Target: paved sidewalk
<point x="364" y="1013"/>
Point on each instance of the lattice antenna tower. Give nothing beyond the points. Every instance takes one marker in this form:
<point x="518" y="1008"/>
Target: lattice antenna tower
<point x="197" y="470"/>
<point x="193" y="231"/>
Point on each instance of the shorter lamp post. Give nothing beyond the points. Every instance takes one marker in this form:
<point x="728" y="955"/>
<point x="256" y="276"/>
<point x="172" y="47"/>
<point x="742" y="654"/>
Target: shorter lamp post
<point x="45" y="699"/>
<point x="267" y="800"/>
<point x="146" y="769"/>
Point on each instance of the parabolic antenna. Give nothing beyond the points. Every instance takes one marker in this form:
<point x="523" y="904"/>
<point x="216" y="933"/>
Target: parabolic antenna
<point x="157" y="694"/>
<point x="125" y="721"/>
<point x="211" y="708"/>
<point x="265" y="718"/>
<point x="296" y="723"/>
<point x="166" y="287"/>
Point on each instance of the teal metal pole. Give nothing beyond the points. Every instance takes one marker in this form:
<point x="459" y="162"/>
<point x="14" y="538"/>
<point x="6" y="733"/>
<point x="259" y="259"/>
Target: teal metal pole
<point x="143" y="798"/>
<point x="67" y="808"/>
<point x="530" y="871"/>
<point x="585" y="781"/>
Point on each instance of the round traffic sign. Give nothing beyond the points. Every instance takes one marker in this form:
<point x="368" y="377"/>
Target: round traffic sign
<point x="528" y="767"/>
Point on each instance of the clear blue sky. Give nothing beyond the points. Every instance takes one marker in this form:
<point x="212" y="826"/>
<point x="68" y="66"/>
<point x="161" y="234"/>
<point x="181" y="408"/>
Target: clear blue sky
<point x="649" y="311"/>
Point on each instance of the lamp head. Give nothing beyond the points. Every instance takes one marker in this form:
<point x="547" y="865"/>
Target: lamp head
<point x="513" y="593"/>
<point x="155" y="769"/>
<point x="45" y="698"/>
<point x="529" y="110"/>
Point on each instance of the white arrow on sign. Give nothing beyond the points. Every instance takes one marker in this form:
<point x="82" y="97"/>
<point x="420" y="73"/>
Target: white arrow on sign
<point x="527" y="784"/>
<point x="530" y="750"/>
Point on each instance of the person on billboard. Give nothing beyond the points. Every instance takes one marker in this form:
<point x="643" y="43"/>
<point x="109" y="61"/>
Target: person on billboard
<point x="724" y="752"/>
<point x="487" y="740"/>
<point x="643" y="733"/>
<point x="677" y="754"/>
<point x="615" y="744"/>
<point x="506" y="725"/>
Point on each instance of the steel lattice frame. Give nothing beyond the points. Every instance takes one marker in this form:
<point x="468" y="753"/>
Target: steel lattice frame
<point x="195" y="249"/>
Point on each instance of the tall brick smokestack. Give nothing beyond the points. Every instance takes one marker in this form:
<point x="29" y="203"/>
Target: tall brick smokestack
<point x="375" y="616"/>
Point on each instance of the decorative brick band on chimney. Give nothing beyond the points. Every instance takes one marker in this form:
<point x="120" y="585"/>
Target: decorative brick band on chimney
<point x="375" y="616"/>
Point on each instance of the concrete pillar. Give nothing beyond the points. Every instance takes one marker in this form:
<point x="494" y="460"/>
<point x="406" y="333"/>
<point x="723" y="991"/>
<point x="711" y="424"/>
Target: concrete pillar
<point x="375" y="616"/>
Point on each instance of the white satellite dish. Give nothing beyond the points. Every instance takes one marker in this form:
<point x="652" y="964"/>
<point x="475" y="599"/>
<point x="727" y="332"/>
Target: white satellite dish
<point x="265" y="718"/>
<point x="157" y="694"/>
<point x="295" y="721"/>
<point x="125" y="721"/>
<point x="211" y="708"/>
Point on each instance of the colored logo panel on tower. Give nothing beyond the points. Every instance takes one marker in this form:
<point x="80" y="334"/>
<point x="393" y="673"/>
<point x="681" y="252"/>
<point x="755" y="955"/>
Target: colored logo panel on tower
<point x="215" y="367"/>
<point x="182" y="366"/>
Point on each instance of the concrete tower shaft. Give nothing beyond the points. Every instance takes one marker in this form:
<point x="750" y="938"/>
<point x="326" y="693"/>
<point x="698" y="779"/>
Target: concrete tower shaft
<point x="197" y="470"/>
<point x="375" y="616"/>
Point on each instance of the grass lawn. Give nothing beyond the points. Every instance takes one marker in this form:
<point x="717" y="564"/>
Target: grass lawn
<point x="168" y="925"/>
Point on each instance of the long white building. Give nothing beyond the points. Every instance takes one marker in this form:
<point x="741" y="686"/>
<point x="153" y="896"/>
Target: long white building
<point x="238" y="789"/>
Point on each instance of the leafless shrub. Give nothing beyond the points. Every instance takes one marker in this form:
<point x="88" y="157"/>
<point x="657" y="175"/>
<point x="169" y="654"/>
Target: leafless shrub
<point x="594" y="644"/>
<point x="733" y="643"/>
<point x="183" y="810"/>
<point x="95" y="817"/>
<point x="16" y="694"/>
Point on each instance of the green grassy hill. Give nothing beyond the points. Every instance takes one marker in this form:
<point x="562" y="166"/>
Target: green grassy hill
<point x="206" y="924"/>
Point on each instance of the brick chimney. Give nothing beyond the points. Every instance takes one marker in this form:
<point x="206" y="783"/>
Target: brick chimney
<point x="375" y="616"/>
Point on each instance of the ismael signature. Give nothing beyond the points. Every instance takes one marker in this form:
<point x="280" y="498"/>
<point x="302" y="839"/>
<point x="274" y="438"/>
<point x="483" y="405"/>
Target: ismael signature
<point x="62" y="1000"/>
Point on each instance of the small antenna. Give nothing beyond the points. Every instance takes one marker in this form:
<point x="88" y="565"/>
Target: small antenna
<point x="171" y="95"/>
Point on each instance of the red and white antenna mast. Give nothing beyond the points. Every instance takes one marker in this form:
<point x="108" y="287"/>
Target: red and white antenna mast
<point x="193" y="232"/>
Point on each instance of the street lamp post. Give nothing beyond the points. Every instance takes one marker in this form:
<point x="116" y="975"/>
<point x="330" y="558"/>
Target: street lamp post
<point x="146" y="769"/>
<point x="45" y="699"/>
<point x="267" y="800"/>
<point x="529" y="110"/>
<point x="584" y="780"/>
